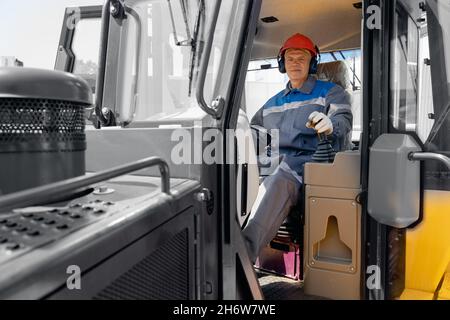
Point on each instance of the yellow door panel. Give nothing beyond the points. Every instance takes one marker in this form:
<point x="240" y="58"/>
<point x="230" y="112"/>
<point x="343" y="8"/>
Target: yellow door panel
<point x="409" y="294"/>
<point x="428" y="246"/>
<point x="444" y="291"/>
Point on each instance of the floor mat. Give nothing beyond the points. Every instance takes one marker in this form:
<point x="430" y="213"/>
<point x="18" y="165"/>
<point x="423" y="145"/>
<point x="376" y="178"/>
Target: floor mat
<point x="280" y="288"/>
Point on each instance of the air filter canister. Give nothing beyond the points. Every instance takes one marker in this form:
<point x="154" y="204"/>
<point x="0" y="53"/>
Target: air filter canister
<point x="42" y="137"/>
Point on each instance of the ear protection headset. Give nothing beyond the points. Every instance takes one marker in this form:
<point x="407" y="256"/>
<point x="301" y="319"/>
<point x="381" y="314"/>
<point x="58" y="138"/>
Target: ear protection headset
<point x="315" y="60"/>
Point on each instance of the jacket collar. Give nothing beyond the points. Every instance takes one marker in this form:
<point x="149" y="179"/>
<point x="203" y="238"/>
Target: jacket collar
<point x="307" y="87"/>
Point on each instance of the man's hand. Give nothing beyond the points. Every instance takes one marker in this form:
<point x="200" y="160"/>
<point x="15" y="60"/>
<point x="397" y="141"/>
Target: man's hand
<point x="320" y="122"/>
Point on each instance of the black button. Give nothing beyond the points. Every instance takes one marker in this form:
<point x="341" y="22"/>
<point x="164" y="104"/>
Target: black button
<point x="75" y="205"/>
<point x="97" y="201"/>
<point x="21" y="229"/>
<point x="87" y="208"/>
<point x="109" y="203"/>
<point x="33" y="233"/>
<point x="13" y="246"/>
<point x="38" y="218"/>
<point x="28" y="215"/>
<point x="54" y="211"/>
<point x="62" y="227"/>
<point x="99" y="211"/>
<point x="3" y="240"/>
<point x="63" y="213"/>
<point x="11" y="224"/>
<point x="4" y="221"/>
<point x="50" y="222"/>
<point x="75" y="216"/>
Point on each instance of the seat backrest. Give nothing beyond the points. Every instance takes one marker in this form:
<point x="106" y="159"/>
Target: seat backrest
<point x="338" y="73"/>
<point x="334" y="71"/>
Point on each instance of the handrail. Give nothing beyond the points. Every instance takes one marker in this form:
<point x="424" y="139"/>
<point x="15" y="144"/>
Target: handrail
<point x="137" y="67"/>
<point x="100" y="82"/>
<point x="45" y="193"/>
<point x="204" y="66"/>
<point x="422" y="156"/>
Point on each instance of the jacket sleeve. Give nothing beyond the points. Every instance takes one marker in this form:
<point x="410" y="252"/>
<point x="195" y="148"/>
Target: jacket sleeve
<point x="339" y="109"/>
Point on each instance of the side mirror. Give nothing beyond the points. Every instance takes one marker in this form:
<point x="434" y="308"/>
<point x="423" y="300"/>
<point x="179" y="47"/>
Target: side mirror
<point x="394" y="181"/>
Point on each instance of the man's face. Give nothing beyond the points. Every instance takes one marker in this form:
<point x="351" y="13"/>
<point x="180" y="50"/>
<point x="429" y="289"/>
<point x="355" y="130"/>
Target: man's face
<point x="297" y="64"/>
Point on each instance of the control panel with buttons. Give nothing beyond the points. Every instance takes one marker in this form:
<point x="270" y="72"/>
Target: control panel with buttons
<point x="29" y="228"/>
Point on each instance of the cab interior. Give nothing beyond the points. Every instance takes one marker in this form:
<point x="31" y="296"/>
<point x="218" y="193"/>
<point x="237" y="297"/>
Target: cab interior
<point x="317" y="250"/>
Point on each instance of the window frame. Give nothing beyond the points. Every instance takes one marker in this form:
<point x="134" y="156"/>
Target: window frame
<point x="65" y="57"/>
<point x="402" y="115"/>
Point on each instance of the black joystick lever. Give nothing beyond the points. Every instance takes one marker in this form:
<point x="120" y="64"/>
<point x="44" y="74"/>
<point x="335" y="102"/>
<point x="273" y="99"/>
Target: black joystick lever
<point x="324" y="152"/>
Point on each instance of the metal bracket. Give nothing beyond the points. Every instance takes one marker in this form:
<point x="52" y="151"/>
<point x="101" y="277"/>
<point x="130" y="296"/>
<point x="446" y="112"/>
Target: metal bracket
<point x="117" y="10"/>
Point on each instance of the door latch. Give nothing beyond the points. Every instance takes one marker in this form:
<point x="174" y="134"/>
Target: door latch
<point x="206" y="196"/>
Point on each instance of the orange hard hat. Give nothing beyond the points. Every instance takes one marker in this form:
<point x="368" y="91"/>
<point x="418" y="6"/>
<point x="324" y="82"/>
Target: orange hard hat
<point x="299" y="41"/>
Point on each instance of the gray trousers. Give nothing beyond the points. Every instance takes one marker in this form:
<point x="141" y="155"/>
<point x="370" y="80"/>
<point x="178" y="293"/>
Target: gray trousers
<point x="276" y="196"/>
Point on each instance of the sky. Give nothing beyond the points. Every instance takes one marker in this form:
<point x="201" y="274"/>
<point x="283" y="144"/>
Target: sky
<point x="30" y="30"/>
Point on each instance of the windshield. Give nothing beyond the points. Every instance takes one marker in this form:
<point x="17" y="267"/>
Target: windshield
<point x="172" y="37"/>
<point x="162" y="76"/>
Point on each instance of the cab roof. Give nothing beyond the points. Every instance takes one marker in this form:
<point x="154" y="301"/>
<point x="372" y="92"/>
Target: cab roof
<point x="331" y="24"/>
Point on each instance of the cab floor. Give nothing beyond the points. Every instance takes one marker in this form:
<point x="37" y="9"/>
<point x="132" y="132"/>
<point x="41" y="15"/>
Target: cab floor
<point x="276" y="287"/>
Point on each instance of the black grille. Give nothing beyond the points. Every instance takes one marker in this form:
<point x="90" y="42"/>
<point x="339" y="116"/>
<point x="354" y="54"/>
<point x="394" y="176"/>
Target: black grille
<point x="41" y="125"/>
<point x="164" y="275"/>
<point x="396" y="262"/>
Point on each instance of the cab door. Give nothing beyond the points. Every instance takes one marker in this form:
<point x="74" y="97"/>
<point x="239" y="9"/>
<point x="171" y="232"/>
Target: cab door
<point x="405" y="152"/>
<point x="427" y="260"/>
<point x="177" y="66"/>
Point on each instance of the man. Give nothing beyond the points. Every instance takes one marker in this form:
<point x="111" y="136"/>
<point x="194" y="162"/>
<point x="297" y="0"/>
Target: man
<point x="305" y="108"/>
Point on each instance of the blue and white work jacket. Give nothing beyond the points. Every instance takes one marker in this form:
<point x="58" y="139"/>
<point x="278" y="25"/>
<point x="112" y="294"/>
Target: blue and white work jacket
<point x="288" y="111"/>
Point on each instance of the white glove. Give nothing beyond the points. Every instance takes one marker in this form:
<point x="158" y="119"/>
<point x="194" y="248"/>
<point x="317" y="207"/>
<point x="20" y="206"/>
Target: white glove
<point x="320" y="122"/>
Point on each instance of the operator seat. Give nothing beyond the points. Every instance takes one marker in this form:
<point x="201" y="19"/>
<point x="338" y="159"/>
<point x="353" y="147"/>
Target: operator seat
<point x="334" y="71"/>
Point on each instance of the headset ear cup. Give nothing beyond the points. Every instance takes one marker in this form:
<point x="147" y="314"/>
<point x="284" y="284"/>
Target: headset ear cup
<point x="281" y="65"/>
<point x="313" y="66"/>
<point x="315" y="62"/>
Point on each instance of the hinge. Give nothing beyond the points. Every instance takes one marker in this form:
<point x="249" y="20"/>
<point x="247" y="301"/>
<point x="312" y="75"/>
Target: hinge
<point x="422" y="6"/>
